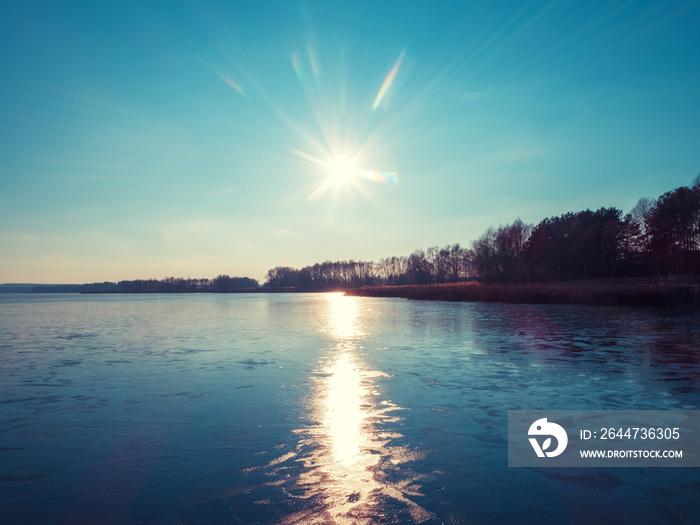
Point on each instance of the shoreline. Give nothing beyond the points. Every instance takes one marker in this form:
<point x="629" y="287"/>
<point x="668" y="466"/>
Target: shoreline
<point x="610" y="292"/>
<point x="188" y="292"/>
<point x="646" y="292"/>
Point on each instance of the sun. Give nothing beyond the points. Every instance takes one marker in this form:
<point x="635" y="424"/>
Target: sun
<point x="341" y="171"/>
<point x="343" y="175"/>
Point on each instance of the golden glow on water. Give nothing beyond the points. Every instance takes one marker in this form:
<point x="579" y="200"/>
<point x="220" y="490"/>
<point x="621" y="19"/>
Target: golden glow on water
<point x="348" y="415"/>
<point x="344" y="388"/>
<point x="342" y="317"/>
<point x="346" y="448"/>
<point x="343" y="416"/>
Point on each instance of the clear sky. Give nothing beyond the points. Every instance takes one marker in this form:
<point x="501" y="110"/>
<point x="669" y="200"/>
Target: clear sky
<point x="145" y="139"/>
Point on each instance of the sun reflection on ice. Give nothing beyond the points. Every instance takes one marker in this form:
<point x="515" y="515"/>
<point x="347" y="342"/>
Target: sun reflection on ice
<point x="342" y="321"/>
<point x="344" y="417"/>
<point x="345" y="390"/>
<point x="346" y="449"/>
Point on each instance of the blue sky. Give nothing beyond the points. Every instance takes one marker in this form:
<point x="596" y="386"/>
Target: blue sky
<point x="147" y="139"/>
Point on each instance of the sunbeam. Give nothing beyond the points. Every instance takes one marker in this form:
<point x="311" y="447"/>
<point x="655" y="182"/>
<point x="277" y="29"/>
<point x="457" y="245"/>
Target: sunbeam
<point x="234" y="85"/>
<point x="388" y="81"/>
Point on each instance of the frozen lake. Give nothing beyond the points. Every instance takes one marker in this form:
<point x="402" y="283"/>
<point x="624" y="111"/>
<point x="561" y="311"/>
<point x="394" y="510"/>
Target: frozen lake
<point x="320" y="408"/>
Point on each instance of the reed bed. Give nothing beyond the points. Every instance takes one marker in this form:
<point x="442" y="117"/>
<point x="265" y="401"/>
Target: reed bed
<point x="666" y="291"/>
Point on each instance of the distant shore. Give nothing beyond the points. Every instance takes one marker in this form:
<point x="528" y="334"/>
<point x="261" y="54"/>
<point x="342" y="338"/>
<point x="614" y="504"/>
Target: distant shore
<point x="261" y="289"/>
<point x="657" y="291"/>
<point x="671" y="291"/>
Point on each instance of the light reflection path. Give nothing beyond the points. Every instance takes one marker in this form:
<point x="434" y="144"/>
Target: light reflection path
<point x="352" y="472"/>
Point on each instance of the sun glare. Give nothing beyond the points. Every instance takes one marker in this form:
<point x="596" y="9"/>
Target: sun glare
<point x="342" y="171"/>
<point x="345" y="155"/>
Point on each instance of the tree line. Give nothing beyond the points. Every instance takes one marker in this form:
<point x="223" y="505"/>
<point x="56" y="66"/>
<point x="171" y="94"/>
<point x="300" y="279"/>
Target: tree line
<point x="657" y="237"/>
<point x="222" y="283"/>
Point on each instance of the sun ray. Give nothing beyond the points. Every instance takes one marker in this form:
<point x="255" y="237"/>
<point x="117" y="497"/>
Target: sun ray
<point x="384" y="177"/>
<point x="320" y="191"/>
<point x="234" y="85"/>
<point x="297" y="68"/>
<point x="388" y="81"/>
<point x="315" y="67"/>
<point x="308" y="157"/>
<point x="343" y="147"/>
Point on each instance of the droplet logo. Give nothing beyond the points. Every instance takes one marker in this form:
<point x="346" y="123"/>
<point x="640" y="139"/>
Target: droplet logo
<point x="543" y="428"/>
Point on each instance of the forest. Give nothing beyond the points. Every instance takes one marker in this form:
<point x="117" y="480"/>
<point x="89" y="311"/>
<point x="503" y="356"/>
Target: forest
<point x="657" y="237"/>
<point x="222" y="283"/>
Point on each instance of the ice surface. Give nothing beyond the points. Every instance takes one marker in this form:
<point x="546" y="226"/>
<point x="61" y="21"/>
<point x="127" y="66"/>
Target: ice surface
<point x="320" y="408"/>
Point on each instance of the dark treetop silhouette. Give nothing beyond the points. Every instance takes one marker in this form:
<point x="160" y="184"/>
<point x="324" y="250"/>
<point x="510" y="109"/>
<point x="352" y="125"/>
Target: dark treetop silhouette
<point x="657" y="238"/>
